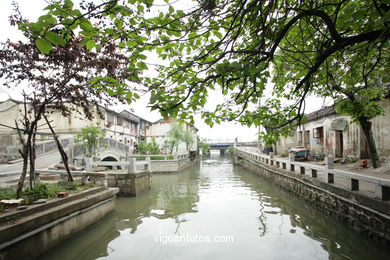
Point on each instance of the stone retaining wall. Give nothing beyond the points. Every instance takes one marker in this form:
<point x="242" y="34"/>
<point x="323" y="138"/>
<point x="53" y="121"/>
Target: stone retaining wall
<point x="371" y="219"/>
<point x="39" y="228"/>
<point x="130" y="184"/>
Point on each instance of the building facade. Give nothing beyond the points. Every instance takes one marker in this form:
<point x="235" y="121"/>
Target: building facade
<point x="159" y="131"/>
<point x="124" y="127"/>
<point x="327" y="132"/>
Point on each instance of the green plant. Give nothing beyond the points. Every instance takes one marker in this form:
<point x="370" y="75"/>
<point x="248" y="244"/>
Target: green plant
<point x="205" y="148"/>
<point x="350" y="159"/>
<point x="178" y="135"/>
<point x="40" y="191"/>
<point x="230" y="150"/>
<point x="153" y="147"/>
<point x="89" y="138"/>
<point x="142" y="147"/>
<point x="7" y="194"/>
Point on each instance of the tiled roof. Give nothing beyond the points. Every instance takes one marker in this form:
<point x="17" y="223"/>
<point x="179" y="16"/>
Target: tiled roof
<point x="326" y="111"/>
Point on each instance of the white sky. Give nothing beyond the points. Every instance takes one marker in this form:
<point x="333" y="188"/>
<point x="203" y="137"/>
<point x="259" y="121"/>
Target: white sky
<point x="32" y="9"/>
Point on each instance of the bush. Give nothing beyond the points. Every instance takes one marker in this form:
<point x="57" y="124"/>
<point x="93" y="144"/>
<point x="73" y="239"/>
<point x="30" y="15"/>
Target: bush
<point x="148" y="148"/>
<point x="350" y="159"/>
<point x="153" y="147"/>
<point x="143" y="147"/>
<point x="40" y="191"/>
<point x="46" y="191"/>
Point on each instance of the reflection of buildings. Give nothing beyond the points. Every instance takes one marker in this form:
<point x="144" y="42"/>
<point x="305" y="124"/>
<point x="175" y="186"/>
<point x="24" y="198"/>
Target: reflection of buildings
<point x="176" y="194"/>
<point x="172" y="195"/>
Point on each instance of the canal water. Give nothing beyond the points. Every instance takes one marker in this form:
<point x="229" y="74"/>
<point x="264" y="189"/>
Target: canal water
<point x="217" y="211"/>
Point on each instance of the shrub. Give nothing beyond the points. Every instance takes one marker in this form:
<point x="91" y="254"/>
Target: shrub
<point x="40" y="191"/>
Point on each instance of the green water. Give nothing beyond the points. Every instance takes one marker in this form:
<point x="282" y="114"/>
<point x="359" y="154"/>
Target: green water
<point x="217" y="211"/>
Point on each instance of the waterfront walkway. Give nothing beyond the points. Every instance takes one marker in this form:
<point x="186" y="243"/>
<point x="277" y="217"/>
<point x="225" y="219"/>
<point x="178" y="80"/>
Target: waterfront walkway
<point x="382" y="172"/>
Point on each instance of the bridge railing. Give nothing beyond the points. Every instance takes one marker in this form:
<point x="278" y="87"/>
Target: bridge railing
<point x="159" y="157"/>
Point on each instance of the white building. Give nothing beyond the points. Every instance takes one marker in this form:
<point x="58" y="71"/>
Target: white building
<point x="159" y="131"/>
<point x="124" y="127"/>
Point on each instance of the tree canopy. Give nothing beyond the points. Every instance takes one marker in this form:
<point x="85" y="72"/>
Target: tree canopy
<point x="329" y="48"/>
<point x="90" y="138"/>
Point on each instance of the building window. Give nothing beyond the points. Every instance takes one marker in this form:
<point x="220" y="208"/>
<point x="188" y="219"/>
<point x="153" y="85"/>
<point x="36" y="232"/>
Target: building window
<point x="300" y="138"/>
<point x="111" y="118"/>
<point x="307" y="138"/>
<point x="318" y="134"/>
<point x="119" y="121"/>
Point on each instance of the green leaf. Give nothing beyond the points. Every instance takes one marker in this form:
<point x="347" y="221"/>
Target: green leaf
<point x="131" y="43"/>
<point x="140" y="8"/>
<point x="44" y="45"/>
<point x="90" y="44"/>
<point x="142" y="65"/>
<point x="55" y="39"/>
<point x="142" y="57"/>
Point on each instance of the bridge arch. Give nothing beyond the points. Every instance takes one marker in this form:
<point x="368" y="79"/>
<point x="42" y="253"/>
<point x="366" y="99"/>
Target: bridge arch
<point x="110" y="158"/>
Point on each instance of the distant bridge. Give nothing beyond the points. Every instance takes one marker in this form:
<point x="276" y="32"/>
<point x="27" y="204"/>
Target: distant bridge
<point x="222" y="145"/>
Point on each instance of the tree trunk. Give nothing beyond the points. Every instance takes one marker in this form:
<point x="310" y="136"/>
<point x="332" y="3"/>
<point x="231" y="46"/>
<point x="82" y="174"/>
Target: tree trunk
<point x="24" y="154"/>
<point x="22" y="177"/>
<point x="32" y="158"/>
<point x="366" y="126"/>
<point x="60" y="149"/>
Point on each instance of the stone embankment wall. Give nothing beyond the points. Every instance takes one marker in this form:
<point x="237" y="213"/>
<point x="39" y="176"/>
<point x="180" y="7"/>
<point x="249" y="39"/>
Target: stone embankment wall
<point x="168" y="166"/>
<point x="29" y="233"/>
<point x="371" y="219"/>
<point x="130" y="184"/>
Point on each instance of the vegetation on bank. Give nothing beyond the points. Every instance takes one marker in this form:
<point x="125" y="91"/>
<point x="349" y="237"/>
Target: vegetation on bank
<point x="205" y="148"/>
<point x="40" y="191"/>
<point x="148" y="148"/>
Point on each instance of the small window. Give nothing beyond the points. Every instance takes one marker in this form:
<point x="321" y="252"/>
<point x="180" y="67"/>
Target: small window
<point x="300" y="138"/>
<point x="111" y="118"/>
<point x="318" y="134"/>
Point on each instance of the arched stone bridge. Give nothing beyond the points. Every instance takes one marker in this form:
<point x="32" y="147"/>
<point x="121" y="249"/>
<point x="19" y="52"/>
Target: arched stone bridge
<point x="109" y="150"/>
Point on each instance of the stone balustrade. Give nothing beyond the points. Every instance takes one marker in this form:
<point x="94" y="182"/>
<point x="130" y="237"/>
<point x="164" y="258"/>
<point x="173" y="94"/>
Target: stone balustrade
<point x="375" y="187"/>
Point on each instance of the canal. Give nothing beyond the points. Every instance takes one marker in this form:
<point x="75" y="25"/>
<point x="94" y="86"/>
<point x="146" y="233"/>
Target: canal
<point x="216" y="211"/>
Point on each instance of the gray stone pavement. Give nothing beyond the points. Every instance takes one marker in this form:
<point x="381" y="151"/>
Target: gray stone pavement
<point x="42" y="162"/>
<point x="381" y="172"/>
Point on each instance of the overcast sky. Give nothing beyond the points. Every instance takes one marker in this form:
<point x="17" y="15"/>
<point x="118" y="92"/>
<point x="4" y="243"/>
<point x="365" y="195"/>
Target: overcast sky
<point x="32" y="9"/>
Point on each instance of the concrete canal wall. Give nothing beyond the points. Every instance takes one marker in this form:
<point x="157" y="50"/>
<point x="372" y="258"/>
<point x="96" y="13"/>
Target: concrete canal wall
<point x="29" y="233"/>
<point x="364" y="208"/>
<point x="130" y="184"/>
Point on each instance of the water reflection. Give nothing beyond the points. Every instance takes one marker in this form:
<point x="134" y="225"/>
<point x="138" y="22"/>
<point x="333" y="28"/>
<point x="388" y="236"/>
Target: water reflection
<point x="212" y="200"/>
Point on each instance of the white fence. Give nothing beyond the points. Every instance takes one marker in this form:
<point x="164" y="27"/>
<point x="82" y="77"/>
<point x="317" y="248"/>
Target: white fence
<point x="144" y="163"/>
<point x="371" y="186"/>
